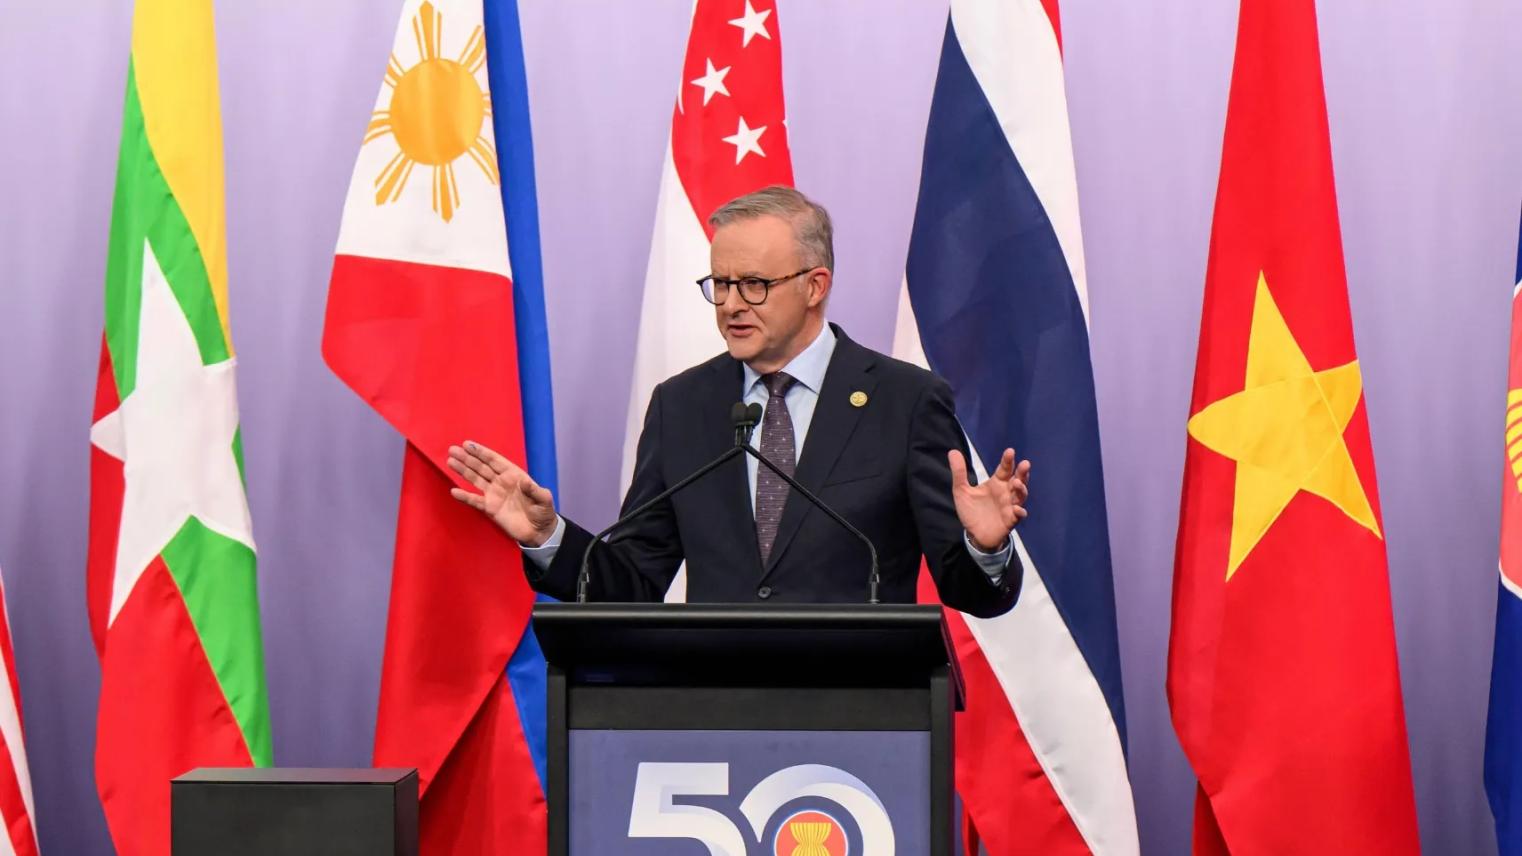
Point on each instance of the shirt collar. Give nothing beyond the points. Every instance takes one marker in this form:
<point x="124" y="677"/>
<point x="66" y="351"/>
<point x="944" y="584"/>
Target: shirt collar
<point x="807" y="368"/>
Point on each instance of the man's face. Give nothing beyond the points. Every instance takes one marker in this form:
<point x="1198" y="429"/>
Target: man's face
<point x="768" y="335"/>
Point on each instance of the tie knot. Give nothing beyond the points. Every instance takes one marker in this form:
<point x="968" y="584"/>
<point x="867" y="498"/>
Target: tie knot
<point x="778" y="383"/>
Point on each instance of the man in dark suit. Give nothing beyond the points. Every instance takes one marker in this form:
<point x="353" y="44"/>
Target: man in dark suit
<point x="874" y="437"/>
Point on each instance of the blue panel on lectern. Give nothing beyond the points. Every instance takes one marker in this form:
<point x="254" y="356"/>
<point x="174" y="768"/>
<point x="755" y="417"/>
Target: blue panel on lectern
<point x="749" y="793"/>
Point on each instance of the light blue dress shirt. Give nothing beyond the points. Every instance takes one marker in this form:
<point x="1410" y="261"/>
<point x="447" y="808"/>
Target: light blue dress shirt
<point x="807" y="370"/>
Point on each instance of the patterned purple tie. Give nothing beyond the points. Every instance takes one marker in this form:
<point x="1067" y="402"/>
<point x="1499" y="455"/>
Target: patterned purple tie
<point x="777" y="446"/>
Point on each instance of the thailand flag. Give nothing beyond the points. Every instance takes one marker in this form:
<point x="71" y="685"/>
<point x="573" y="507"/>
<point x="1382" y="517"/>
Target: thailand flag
<point x="1503" y="732"/>
<point x="436" y="318"/>
<point x="996" y="303"/>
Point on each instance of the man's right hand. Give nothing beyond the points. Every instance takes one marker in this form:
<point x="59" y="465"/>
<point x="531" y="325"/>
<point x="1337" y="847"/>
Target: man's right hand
<point x="524" y="510"/>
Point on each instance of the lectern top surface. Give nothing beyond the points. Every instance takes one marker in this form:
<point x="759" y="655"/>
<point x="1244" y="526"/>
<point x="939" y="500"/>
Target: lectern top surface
<point x="299" y="775"/>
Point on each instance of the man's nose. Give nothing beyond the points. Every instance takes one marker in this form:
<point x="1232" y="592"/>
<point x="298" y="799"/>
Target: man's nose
<point x="733" y="302"/>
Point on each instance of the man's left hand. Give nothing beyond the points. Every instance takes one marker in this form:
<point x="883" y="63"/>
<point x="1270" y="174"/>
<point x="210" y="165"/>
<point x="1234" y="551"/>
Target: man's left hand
<point x="989" y="511"/>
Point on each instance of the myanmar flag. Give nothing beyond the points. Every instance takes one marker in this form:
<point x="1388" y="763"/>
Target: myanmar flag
<point x="1282" y="672"/>
<point x="173" y="603"/>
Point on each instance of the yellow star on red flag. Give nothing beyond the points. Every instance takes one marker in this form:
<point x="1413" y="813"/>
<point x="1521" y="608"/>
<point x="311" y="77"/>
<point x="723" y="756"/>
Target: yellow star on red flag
<point x="1284" y="430"/>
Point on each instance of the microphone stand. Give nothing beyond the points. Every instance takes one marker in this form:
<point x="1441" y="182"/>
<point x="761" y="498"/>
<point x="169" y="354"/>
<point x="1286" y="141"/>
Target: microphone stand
<point x="745" y="419"/>
<point x="585" y="575"/>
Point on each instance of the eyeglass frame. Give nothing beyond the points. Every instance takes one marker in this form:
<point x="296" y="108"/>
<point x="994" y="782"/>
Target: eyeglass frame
<point x="766" y="284"/>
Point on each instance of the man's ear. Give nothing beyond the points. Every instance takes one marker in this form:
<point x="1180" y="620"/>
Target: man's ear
<point x="820" y="282"/>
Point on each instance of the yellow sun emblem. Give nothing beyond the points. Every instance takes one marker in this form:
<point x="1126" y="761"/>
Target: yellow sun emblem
<point x="436" y="114"/>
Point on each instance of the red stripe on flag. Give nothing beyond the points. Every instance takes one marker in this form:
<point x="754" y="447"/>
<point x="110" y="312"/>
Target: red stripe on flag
<point x="7" y="652"/>
<point x="18" y="823"/>
<point x="161" y="714"/>
<point x="1014" y="809"/>
<point x="107" y="486"/>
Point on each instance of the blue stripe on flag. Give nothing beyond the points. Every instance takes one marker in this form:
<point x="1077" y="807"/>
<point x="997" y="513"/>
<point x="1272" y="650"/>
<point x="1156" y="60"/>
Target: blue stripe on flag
<point x="1000" y="320"/>
<point x="515" y="160"/>
<point x="1503" y="730"/>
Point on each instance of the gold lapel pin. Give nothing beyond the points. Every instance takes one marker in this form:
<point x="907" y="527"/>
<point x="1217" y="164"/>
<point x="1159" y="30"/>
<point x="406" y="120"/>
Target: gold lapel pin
<point x="858" y="399"/>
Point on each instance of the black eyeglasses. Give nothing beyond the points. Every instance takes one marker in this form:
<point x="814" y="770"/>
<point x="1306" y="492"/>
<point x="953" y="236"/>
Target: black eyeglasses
<point x="753" y="289"/>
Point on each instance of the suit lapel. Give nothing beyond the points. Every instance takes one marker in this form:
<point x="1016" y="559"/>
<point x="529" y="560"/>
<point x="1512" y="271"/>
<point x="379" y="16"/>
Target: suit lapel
<point x="834" y="421"/>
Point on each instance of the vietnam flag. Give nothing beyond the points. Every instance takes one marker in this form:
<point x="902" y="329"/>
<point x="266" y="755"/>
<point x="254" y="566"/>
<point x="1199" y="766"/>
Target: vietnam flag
<point x="1282" y="672"/>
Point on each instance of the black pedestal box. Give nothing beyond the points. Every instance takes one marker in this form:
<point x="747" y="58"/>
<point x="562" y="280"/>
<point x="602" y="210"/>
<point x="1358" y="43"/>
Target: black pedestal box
<point x="294" y="812"/>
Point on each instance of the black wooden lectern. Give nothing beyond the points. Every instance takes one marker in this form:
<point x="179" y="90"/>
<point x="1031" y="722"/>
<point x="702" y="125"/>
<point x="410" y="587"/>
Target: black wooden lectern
<point x="754" y="729"/>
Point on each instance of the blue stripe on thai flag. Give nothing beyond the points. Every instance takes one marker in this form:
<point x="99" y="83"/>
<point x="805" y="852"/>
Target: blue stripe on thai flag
<point x="995" y="282"/>
<point x="1503" y="728"/>
<point x="515" y="160"/>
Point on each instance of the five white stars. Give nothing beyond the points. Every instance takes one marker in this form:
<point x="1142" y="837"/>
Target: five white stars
<point x="753" y="23"/>
<point x="174" y="433"/>
<point x="713" y="81"/>
<point x="746" y="140"/>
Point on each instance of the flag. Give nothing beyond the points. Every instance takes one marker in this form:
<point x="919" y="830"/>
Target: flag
<point x="16" y="810"/>
<point x="173" y="601"/>
<point x="728" y="138"/>
<point x="1283" y="681"/>
<point x="1503" y="731"/>
<point x="996" y="301"/>
<point x="438" y="327"/>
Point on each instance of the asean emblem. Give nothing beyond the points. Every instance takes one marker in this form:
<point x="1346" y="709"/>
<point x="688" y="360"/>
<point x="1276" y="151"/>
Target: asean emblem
<point x="810" y="833"/>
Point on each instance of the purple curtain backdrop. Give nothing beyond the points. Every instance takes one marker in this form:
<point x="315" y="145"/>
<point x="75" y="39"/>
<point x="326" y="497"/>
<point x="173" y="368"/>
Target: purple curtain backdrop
<point x="1424" y="118"/>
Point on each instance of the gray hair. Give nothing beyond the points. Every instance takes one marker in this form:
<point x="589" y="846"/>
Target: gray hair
<point x="811" y="223"/>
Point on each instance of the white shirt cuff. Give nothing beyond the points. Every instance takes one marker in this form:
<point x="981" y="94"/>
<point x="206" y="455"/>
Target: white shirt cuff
<point x="543" y="554"/>
<point x="992" y="564"/>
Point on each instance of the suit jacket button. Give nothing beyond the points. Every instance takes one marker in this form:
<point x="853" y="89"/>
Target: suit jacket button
<point x="764" y="592"/>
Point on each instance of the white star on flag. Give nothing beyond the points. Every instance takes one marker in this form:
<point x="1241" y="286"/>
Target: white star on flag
<point x="746" y="140"/>
<point x="174" y="435"/>
<point x="713" y="81"/>
<point x="753" y="23"/>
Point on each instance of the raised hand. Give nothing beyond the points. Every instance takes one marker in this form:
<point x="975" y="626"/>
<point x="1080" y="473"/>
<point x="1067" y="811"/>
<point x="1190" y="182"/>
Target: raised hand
<point x="524" y="510"/>
<point x="989" y="511"/>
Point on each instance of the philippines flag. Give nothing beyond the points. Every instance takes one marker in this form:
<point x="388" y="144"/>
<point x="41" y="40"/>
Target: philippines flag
<point x="728" y="138"/>
<point x="436" y="318"/>
<point x="996" y="303"/>
<point x="1503" y="731"/>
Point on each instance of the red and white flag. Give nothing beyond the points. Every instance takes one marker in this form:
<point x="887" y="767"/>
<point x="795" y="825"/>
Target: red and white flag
<point x="728" y="137"/>
<point x="20" y="838"/>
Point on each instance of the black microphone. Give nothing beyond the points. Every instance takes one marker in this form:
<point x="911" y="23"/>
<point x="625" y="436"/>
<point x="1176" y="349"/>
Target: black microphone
<point x="744" y="419"/>
<point x="872" y="578"/>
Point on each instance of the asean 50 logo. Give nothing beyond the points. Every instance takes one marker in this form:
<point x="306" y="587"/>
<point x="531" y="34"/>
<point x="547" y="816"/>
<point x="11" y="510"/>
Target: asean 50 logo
<point x="655" y="812"/>
<point x="810" y="833"/>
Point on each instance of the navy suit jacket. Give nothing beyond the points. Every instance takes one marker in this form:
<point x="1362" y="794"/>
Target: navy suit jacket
<point x="882" y="466"/>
